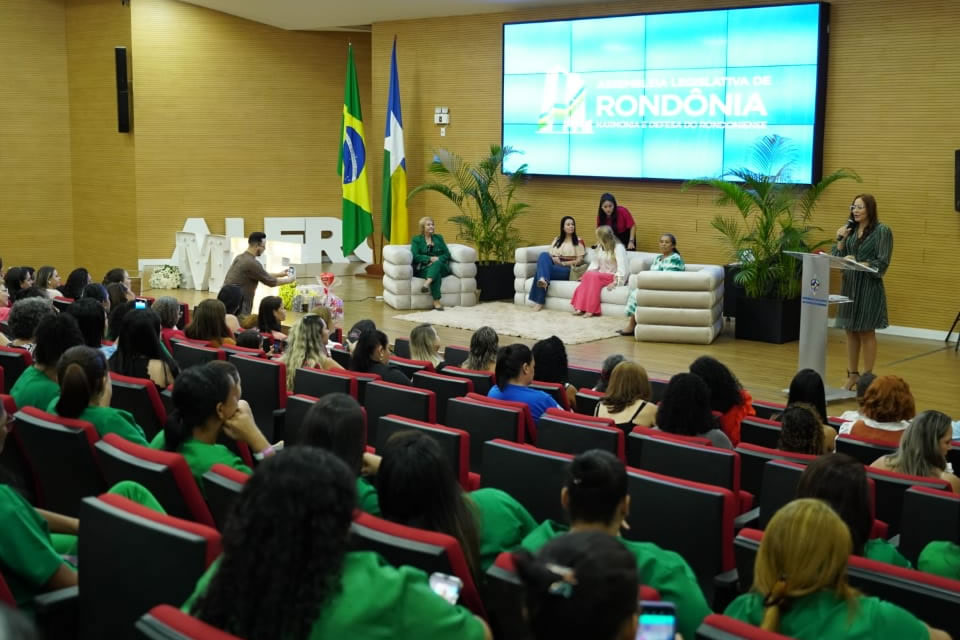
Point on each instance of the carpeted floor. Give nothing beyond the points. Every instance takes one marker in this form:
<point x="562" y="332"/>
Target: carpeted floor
<point x="522" y="321"/>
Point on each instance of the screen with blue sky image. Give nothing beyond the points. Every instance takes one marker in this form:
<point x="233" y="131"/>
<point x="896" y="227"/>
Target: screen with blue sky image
<point x="665" y="96"/>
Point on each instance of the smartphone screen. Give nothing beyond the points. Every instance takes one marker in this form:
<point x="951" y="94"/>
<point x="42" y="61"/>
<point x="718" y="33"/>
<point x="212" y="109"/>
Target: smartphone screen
<point x="657" y="621"/>
<point x="140" y="304"/>
<point x="446" y="586"/>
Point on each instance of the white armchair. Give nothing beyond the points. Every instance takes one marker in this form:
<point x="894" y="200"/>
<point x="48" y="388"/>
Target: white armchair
<point x="401" y="290"/>
<point x="679" y="306"/>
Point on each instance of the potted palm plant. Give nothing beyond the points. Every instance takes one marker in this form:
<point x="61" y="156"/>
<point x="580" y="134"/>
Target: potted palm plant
<point x="774" y="217"/>
<point x="484" y="194"/>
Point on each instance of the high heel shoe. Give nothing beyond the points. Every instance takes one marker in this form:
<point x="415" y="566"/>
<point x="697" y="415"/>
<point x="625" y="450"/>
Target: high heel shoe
<point x="853" y="377"/>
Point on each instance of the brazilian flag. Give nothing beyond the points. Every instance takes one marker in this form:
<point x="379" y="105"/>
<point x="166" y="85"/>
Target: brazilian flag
<point x="352" y="166"/>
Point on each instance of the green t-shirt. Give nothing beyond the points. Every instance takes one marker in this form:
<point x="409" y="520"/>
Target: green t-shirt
<point x="380" y="601"/>
<point x="200" y="456"/>
<point x="663" y="570"/>
<point x="34" y="389"/>
<point x="502" y="523"/>
<point x="882" y="551"/>
<point x="367" y="498"/>
<point x="822" y="616"/>
<point x="109" y="420"/>
<point x="941" y="558"/>
<point x="27" y="557"/>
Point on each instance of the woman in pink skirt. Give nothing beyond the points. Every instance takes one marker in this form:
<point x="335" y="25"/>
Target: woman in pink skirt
<point x="608" y="269"/>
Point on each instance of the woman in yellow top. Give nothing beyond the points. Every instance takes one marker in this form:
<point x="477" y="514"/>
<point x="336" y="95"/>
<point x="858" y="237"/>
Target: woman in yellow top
<point x="318" y="588"/>
<point x="557" y="263"/>
<point x="307" y="347"/>
<point x="800" y="584"/>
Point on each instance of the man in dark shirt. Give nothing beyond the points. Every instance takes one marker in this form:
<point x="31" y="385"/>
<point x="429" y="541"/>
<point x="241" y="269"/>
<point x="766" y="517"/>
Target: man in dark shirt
<point x="246" y="271"/>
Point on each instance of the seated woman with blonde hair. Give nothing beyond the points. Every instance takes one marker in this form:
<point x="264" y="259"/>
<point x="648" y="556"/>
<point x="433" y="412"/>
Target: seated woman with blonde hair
<point x="628" y="400"/>
<point x="923" y="449"/>
<point x="425" y="345"/>
<point x="430" y="259"/>
<point x="800" y="586"/>
<point x="608" y="269"/>
<point x="887" y="408"/>
<point x="307" y="347"/>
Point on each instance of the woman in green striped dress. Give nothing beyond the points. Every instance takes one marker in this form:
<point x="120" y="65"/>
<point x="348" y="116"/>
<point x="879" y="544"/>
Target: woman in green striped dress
<point x="870" y="243"/>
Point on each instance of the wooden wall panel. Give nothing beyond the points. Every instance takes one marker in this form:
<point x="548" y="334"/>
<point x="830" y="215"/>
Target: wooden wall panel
<point x="104" y="189"/>
<point x="35" y="202"/>
<point x="235" y="118"/>
<point x="891" y="116"/>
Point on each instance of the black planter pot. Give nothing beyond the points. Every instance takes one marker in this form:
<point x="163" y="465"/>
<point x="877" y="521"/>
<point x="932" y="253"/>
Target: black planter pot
<point x="495" y="280"/>
<point x="765" y="320"/>
<point x="731" y="290"/>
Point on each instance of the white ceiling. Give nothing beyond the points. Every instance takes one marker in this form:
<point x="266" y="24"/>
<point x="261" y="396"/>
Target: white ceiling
<point x="324" y="15"/>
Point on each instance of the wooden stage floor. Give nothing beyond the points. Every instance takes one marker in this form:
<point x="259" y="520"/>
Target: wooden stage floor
<point x="930" y="367"/>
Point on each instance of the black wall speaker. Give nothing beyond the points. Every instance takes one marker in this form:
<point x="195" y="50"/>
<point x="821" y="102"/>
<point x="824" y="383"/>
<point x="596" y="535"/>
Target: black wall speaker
<point x="956" y="180"/>
<point x="123" y="90"/>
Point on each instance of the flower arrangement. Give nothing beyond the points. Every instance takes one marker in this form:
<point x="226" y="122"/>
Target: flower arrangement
<point x="167" y="276"/>
<point x="287" y="293"/>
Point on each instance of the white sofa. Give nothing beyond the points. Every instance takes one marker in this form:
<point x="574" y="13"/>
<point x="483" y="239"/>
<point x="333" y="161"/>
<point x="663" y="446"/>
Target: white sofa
<point x="401" y="290"/>
<point x="560" y="292"/>
<point x="679" y="306"/>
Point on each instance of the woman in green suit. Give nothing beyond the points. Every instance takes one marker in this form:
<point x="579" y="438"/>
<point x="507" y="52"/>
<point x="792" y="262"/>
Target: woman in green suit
<point x="430" y="259"/>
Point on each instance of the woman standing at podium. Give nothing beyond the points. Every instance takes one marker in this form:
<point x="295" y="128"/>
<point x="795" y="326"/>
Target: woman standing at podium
<point x="864" y="239"/>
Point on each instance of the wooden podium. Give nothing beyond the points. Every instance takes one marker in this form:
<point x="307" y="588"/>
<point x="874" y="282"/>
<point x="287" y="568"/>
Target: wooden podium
<point x="814" y="299"/>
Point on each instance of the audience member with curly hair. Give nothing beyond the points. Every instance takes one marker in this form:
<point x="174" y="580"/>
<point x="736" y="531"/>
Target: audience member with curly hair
<point x="550" y="355"/>
<point x="595" y="497"/>
<point x="801" y="431"/>
<point x="888" y="406"/>
<point x="25" y="317"/>
<point x="923" y="449"/>
<point x="727" y="395"/>
<point x="306" y="347"/>
<point x="37" y="386"/>
<point x="685" y="410"/>
<point x="319" y="588"/>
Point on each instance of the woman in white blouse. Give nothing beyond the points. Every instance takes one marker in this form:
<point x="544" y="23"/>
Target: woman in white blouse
<point x="608" y="269"/>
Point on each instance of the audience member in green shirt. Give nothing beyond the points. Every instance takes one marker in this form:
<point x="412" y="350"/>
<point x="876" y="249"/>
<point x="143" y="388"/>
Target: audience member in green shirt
<point x="417" y="488"/>
<point x="289" y="530"/>
<point x="85" y="392"/>
<point x="336" y="423"/>
<point x="942" y="558"/>
<point x="37" y="386"/>
<point x="841" y="482"/>
<point x="595" y="496"/>
<point x="207" y="402"/>
<point x="800" y="584"/>
<point x="580" y="585"/>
